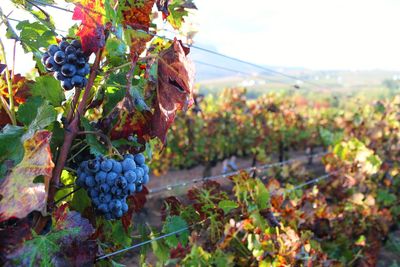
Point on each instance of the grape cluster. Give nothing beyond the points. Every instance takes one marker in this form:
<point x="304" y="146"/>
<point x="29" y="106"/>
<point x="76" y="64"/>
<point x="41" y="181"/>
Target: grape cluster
<point x="109" y="182"/>
<point x="68" y="63"/>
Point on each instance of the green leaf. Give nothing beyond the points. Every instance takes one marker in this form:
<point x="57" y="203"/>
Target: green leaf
<point x="160" y="250"/>
<point x="116" y="51"/>
<point x="113" y="96"/>
<point x="67" y="179"/>
<point x="173" y="224"/>
<point x="262" y="195"/>
<point x="50" y="89"/>
<point x="27" y="111"/>
<point x="11" y="147"/>
<point x="385" y="197"/>
<point x="227" y="205"/>
<point x="45" y="115"/>
<point x="96" y="148"/>
<point x="80" y="200"/>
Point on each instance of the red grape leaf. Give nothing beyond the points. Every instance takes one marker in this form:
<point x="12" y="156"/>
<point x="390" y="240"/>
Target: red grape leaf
<point x="12" y="235"/>
<point x="20" y="87"/>
<point x="137" y="17"/>
<point x="91" y="30"/>
<point x="175" y="87"/>
<point x="19" y="194"/>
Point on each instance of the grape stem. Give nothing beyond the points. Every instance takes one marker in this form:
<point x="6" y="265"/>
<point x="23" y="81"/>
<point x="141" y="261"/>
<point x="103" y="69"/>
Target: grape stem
<point x="110" y="147"/>
<point x="8" y="108"/>
<point x="72" y="130"/>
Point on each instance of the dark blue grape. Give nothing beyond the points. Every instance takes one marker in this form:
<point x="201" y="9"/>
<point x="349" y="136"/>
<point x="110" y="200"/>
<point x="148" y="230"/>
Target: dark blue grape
<point x="103" y="207"/>
<point x="70" y="50"/>
<point x="83" y="165"/>
<point x="139" y="172"/>
<point x="117" y="204"/>
<point x="93" y="166"/>
<point x="66" y="84"/>
<point x="106" y="165"/>
<point x="105" y="188"/>
<point x="140" y="159"/>
<point x="130" y="176"/>
<point x="81" y="62"/>
<point x="118" y="213"/>
<point x="80" y="181"/>
<point x="108" y="216"/>
<point x="114" y="190"/>
<point x="124" y="207"/>
<point x="117" y="167"/>
<point x="93" y="193"/>
<point x="84" y="82"/>
<point x="76" y="43"/>
<point x="129" y="156"/>
<point x="121" y="182"/>
<point x="62" y="45"/>
<point x="104" y="198"/>
<point x="145" y="168"/>
<point x="45" y="56"/>
<point x="146" y="179"/>
<point x="128" y="164"/>
<point x="52" y="49"/>
<point x="68" y="70"/>
<point x="59" y="57"/>
<point x="101" y="177"/>
<point x="111" y="177"/>
<point x="89" y="181"/>
<point x="130" y="189"/>
<point x="58" y="75"/>
<point x="77" y="81"/>
<point x="96" y="201"/>
<point x="71" y="58"/>
<point x="51" y="65"/>
<point x="81" y="72"/>
<point x="79" y="53"/>
<point x="139" y="188"/>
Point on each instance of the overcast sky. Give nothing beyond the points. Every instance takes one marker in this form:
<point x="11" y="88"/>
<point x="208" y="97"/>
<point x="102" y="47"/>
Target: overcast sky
<point x="316" y="34"/>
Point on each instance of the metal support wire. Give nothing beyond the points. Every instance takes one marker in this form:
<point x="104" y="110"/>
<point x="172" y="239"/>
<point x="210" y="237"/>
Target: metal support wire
<point x="265" y="69"/>
<point x="313" y="181"/>
<point x="225" y="175"/>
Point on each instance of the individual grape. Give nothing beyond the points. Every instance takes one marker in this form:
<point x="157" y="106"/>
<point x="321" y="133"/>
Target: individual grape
<point x="146" y="179"/>
<point x="121" y="182"/>
<point x="58" y="75"/>
<point x="118" y="213"/>
<point x="129" y="156"/>
<point x="93" y="166"/>
<point x="106" y="165"/>
<point x="140" y="159"/>
<point x="81" y="72"/>
<point x="139" y="188"/>
<point x="117" y="204"/>
<point x="80" y="181"/>
<point x="62" y="45"/>
<point x="76" y="43"/>
<point x="52" y="49"/>
<point x="145" y="168"/>
<point x="96" y="201"/>
<point x="104" y="188"/>
<point x="130" y="189"/>
<point x="124" y="207"/>
<point x="81" y="62"/>
<point x="68" y="70"/>
<point x="130" y="176"/>
<point x="51" y="65"/>
<point x="70" y="50"/>
<point x="103" y="207"/>
<point x="89" y="181"/>
<point x="104" y="198"/>
<point x="128" y="164"/>
<point x="93" y="193"/>
<point x="100" y="177"/>
<point x="77" y="81"/>
<point x="117" y="167"/>
<point x="59" y="57"/>
<point x="114" y="190"/>
<point x="79" y="53"/>
<point x="111" y="177"/>
<point x="45" y="56"/>
<point x="71" y="58"/>
<point x="83" y="165"/>
<point x="84" y="82"/>
<point x="66" y="84"/>
<point x="139" y="172"/>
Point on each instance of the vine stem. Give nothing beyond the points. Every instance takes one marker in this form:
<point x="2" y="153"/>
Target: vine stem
<point x="9" y="108"/>
<point x="72" y="130"/>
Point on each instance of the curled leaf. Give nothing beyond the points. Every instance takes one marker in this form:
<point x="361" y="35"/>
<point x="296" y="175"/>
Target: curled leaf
<point x="19" y="194"/>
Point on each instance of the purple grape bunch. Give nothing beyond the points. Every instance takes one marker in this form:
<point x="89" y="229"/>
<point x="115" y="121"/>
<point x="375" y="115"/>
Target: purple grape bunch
<point x="68" y="62"/>
<point x="109" y="182"/>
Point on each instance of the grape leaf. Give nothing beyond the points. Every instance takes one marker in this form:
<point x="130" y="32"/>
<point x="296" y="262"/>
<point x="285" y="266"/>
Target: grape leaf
<point x="137" y="17"/>
<point x="50" y="89"/>
<point x="45" y="115"/>
<point x="173" y="224"/>
<point x="96" y="148"/>
<point x="91" y="30"/>
<point x="227" y="205"/>
<point x="10" y="144"/>
<point x="175" y="87"/>
<point x="20" y="195"/>
<point x="20" y="88"/>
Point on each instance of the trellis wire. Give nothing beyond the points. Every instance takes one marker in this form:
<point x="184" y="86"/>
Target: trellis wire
<point x="249" y="169"/>
<point x="315" y="180"/>
<point x="265" y="69"/>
